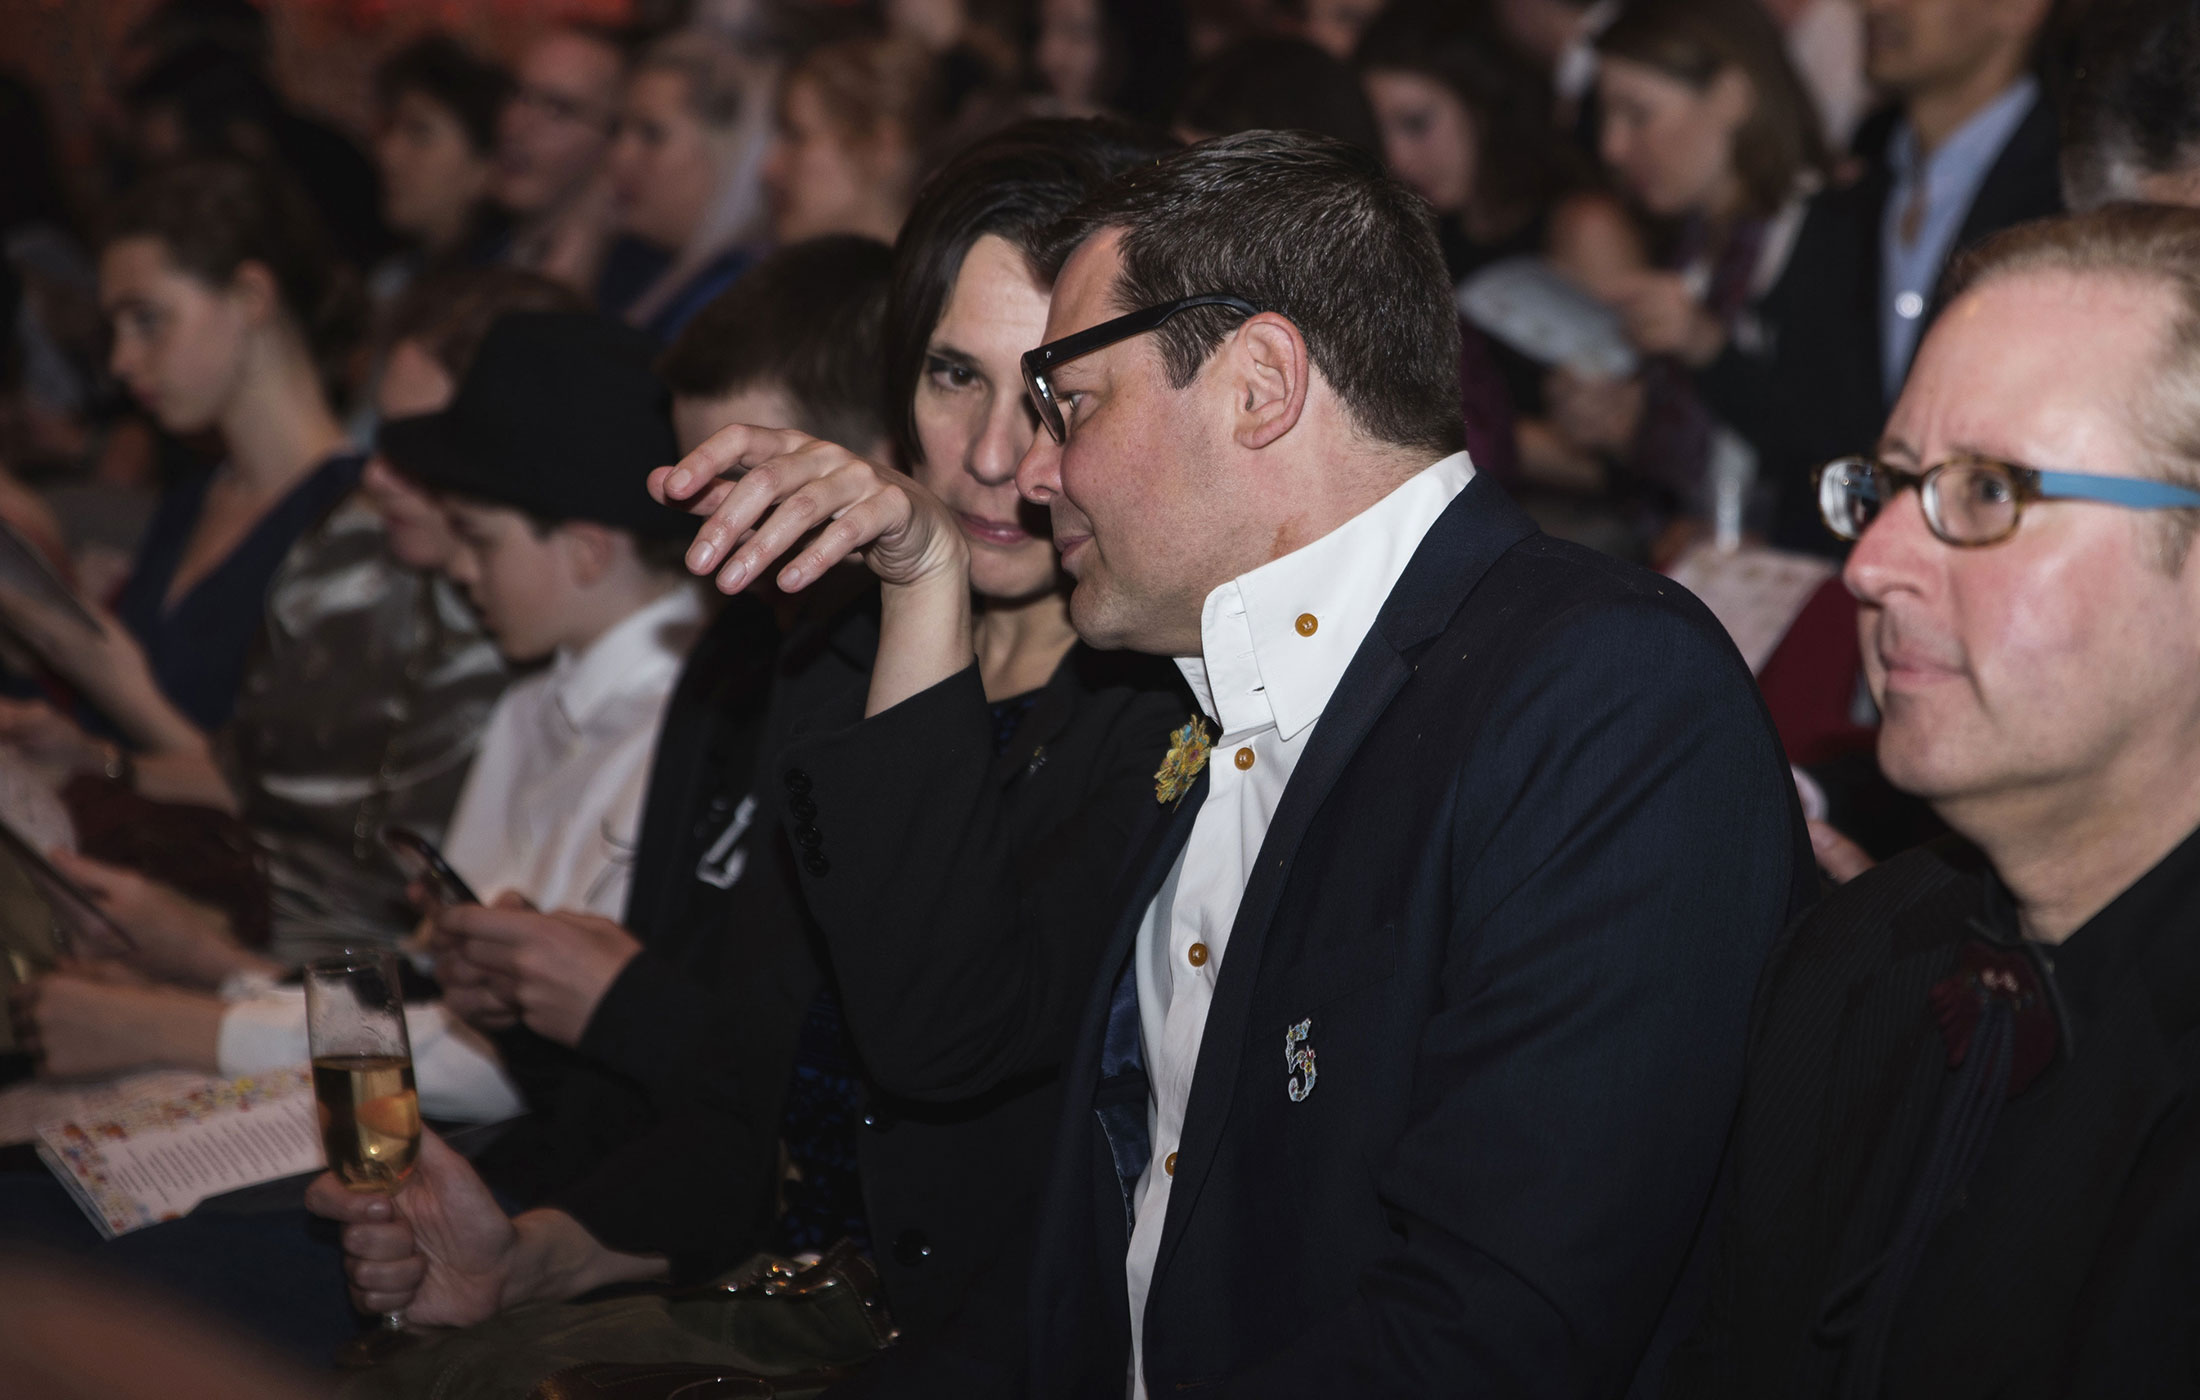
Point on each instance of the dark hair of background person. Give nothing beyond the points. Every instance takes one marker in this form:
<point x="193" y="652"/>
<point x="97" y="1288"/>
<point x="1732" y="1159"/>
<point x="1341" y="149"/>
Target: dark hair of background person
<point x="1278" y="84"/>
<point x="1692" y="42"/>
<point x="215" y="215"/>
<point x="1311" y="228"/>
<point x="2130" y="101"/>
<point x="1016" y="185"/>
<point x="447" y="73"/>
<point x="809" y="318"/>
<point x="448" y="315"/>
<point x="1520" y="160"/>
<point x="236" y="25"/>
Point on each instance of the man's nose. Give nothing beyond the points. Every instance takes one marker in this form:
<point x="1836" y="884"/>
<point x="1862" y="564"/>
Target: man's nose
<point x="1039" y="474"/>
<point x="1896" y="550"/>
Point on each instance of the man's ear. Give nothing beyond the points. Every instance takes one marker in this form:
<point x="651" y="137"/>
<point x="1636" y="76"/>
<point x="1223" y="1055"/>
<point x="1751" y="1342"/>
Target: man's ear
<point x="253" y="288"/>
<point x="591" y="549"/>
<point x="1269" y="374"/>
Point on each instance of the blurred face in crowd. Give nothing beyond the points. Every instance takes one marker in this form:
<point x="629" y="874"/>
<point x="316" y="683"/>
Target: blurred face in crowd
<point x="1670" y="143"/>
<point x="553" y="134"/>
<point x="432" y="174"/>
<point x="516" y="576"/>
<point x="2048" y="672"/>
<point x="763" y="405"/>
<point x="180" y="345"/>
<point x="1141" y="516"/>
<point x="1070" y="51"/>
<point x="418" y="530"/>
<point x="1336" y="25"/>
<point x="975" y="424"/>
<point x="1912" y="45"/>
<point x="665" y="161"/>
<point x="1428" y="136"/>
<point x="821" y="178"/>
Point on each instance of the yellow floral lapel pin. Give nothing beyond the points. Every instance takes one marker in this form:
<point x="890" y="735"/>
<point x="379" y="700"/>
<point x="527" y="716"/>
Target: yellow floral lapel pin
<point x="1187" y="755"/>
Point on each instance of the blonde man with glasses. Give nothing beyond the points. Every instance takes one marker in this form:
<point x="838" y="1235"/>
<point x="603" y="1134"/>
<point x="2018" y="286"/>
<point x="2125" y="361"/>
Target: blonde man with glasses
<point x="1968" y="1160"/>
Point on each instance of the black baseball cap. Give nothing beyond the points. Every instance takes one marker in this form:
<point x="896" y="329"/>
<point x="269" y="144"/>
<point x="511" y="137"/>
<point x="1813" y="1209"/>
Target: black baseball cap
<point x="560" y="416"/>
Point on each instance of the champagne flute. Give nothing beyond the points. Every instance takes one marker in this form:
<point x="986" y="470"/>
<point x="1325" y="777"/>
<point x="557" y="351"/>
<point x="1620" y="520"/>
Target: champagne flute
<point x="363" y="1080"/>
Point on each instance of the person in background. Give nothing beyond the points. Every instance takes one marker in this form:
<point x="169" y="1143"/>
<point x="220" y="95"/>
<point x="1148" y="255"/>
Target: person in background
<point x="686" y="172"/>
<point x="855" y="120"/>
<point x="2131" y="108"/>
<point x="228" y="310"/>
<point x="435" y="148"/>
<point x="1467" y="124"/>
<point x="552" y="140"/>
<point x="369" y="682"/>
<point x="1335" y="26"/>
<point x="1710" y="131"/>
<point x="1969" y="1142"/>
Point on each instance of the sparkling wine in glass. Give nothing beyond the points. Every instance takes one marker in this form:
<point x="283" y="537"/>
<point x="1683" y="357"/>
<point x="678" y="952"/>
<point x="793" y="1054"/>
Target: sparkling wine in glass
<point x="363" y="1081"/>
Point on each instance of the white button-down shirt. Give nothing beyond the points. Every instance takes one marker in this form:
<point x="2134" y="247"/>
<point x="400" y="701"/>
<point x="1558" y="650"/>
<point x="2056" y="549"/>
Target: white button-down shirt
<point x="551" y="809"/>
<point x="1274" y="643"/>
<point x="552" y="806"/>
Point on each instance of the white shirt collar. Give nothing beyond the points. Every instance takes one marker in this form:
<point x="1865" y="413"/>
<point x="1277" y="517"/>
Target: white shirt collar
<point x="1275" y="642"/>
<point x="640" y="653"/>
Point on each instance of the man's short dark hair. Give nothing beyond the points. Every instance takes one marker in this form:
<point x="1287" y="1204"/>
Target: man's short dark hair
<point x="807" y="319"/>
<point x="2131" y="105"/>
<point x="1274" y="83"/>
<point x="1314" y="230"/>
<point x="447" y="73"/>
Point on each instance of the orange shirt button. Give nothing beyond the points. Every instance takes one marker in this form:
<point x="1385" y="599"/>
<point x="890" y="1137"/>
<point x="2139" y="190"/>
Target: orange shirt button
<point x="1168" y="1164"/>
<point x="1244" y="759"/>
<point x="1196" y="955"/>
<point x="1307" y="623"/>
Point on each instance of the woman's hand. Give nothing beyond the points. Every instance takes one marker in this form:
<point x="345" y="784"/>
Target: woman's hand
<point x="1663" y="317"/>
<point x="766" y="491"/>
<point x="441" y="1250"/>
<point x="85" y="1020"/>
<point x="174" y="938"/>
<point x="554" y="968"/>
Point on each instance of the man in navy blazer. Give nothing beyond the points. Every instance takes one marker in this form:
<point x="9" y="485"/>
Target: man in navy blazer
<point x="1414" y="1055"/>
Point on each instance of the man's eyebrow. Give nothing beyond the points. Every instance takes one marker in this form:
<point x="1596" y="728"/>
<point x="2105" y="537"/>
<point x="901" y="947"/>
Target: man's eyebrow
<point x="1891" y="446"/>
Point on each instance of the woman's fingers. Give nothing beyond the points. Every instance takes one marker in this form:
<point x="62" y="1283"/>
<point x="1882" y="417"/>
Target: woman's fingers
<point x="818" y="500"/>
<point x="858" y="525"/>
<point x="732" y="451"/>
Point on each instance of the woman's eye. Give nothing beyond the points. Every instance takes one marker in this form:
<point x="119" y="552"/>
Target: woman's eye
<point x="949" y="375"/>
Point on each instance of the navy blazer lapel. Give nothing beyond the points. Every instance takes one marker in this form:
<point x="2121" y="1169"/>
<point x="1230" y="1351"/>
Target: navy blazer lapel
<point x="1478" y="526"/>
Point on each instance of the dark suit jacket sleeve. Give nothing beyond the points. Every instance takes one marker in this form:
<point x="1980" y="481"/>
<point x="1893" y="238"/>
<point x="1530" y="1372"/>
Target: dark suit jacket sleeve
<point x="654" y="1025"/>
<point x="1625" y="851"/>
<point x="964" y="926"/>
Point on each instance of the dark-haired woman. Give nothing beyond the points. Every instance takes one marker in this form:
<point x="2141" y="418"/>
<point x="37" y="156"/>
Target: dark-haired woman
<point x="228" y="310"/>
<point x="1001" y="764"/>
<point x="1712" y="134"/>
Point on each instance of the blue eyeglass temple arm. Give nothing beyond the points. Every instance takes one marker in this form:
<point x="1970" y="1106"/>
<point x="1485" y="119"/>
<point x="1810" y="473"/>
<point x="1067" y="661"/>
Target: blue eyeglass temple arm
<point x="2138" y="493"/>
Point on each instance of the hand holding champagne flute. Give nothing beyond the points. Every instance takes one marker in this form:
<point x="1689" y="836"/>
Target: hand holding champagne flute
<point x="363" y="1080"/>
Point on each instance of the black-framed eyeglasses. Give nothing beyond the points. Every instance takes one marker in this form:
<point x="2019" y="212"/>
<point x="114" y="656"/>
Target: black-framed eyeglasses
<point x="1972" y="501"/>
<point x="1040" y="363"/>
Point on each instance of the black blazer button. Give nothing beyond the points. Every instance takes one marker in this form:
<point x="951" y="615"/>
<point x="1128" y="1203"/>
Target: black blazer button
<point x="803" y="809"/>
<point x="816" y="863"/>
<point x="798" y="782"/>
<point x="911" y="1248"/>
<point x="878" y="1120"/>
<point x="809" y="837"/>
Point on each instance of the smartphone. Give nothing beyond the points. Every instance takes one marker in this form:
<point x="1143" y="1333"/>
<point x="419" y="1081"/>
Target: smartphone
<point x="421" y="861"/>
